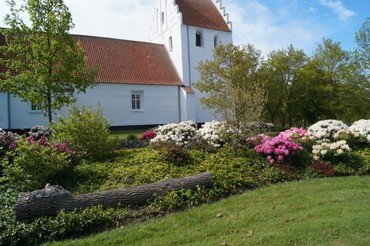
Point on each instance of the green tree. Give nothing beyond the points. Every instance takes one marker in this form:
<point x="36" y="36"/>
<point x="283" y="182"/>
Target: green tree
<point x="45" y="64"/>
<point x="343" y="89"/>
<point x="363" y="45"/>
<point x="234" y="84"/>
<point x="283" y="68"/>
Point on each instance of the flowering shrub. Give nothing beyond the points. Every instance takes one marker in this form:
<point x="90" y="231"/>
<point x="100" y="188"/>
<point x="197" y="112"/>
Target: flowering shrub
<point x="277" y="149"/>
<point x="361" y="127"/>
<point x="179" y="134"/>
<point x="293" y="132"/>
<point x="34" y="163"/>
<point x="39" y="131"/>
<point x="325" y="130"/>
<point x="148" y="135"/>
<point x="213" y="132"/>
<point x="7" y="141"/>
<point x="327" y="150"/>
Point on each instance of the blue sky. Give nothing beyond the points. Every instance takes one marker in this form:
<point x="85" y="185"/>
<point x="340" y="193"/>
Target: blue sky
<point x="272" y="24"/>
<point x="268" y="24"/>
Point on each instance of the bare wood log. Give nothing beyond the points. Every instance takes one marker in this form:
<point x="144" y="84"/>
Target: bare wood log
<point x="52" y="199"/>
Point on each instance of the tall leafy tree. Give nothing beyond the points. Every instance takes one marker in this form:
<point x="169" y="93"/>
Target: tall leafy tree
<point x="234" y="84"/>
<point x="363" y="45"/>
<point x="45" y="65"/>
<point x="283" y="68"/>
<point x="342" y="82"/>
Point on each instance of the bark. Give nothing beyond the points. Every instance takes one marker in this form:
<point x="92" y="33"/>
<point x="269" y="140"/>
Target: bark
<point x="52" y="199"/>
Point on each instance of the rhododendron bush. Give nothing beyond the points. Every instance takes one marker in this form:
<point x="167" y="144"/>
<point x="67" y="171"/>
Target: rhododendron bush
<point x="148" y="135"/>
<point x="214" y="132"/>
<point x="7" y="141"/>
<point x="325" y="130"/>
<point x="179" y="134"/>
<point x="361" y="127"/>
<point x="323" y="150"/>
<point x="278" y="149"/>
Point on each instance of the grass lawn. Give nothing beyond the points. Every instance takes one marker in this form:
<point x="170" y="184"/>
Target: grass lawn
<point x="126" y="133"/>
<point x="315" y="212"/>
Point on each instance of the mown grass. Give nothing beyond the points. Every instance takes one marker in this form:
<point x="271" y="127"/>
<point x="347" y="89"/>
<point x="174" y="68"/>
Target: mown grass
<point x="332" y="211"/>
<point x="125" y="133"/>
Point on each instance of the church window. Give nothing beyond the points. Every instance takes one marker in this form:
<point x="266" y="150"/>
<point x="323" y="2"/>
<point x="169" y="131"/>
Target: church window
<point x="136" y="100"/>
<point x="162" y="18"/>
<point x="198" y="39"/>
<point x="216" y="41"/>
<point x="170" y="44"/>
<point x="36" y="107"/>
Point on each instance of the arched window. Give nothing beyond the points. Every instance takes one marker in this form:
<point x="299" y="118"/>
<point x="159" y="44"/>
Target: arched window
<point x="162" y="18"/>
<point x="170" y="43"/>
<point x="216" y="41"/>
<point x="199" y="39"/>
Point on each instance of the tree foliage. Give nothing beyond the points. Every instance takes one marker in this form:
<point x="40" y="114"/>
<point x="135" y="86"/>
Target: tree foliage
<point x="234" y="84"/>
<point x="283" y="68"/>
<point x="45" y="64"/>
<point x="303" y="90"/>
<point x="363" y="43"/>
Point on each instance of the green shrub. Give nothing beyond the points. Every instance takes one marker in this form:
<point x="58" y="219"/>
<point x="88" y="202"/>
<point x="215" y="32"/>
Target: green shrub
<point x="175" y="154"/>
<point x="32" y="165"/>
<point x="355" y="163"/>
<point x="64" y="225"/>
<point x="86" y="131"/>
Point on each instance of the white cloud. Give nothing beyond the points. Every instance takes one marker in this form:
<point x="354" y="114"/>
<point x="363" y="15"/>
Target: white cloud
<point x="256" y="24"/>
<point x="339" y="9"/>
<point x="128" y="19"/>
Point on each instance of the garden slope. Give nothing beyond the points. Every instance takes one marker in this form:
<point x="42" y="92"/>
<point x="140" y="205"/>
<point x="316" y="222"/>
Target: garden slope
<point x="317" y="212"/>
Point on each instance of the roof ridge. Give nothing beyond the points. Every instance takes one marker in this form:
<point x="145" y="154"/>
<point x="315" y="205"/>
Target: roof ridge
<point x="118" y="39"/>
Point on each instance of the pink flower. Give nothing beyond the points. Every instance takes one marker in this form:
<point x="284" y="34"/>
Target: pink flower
<point x="148" y="135"/>
<point x="12" y="146"/>
<point x="279" y="147"/>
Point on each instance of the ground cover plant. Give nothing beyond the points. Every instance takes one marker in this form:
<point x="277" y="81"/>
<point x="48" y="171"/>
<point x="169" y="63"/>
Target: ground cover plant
<point x="298" y="213"/>
<point x="175" y="151"/>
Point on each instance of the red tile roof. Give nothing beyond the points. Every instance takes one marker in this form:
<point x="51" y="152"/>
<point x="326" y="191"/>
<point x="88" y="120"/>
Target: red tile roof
<point x="126" y="62"/>
<point x="202" y="13"/>
<point x="129" y="62"/>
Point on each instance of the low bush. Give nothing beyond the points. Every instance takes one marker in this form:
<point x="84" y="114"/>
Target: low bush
<point x="87" y="132"/>
<point x="33" y="164"/>
<point x="7" y="142"/>
<point x="175" y="154"/>
<point x="64" y="225"/>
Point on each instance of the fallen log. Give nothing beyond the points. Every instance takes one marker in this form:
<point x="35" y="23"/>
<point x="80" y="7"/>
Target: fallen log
<point x="52" y="199"/>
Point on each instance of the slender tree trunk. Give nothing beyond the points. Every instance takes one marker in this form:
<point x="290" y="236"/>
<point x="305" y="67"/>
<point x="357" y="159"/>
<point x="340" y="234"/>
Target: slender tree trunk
<point x="50" y="113"/>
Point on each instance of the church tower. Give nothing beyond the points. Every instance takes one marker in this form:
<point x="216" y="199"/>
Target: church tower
<point x="190" y="30"/>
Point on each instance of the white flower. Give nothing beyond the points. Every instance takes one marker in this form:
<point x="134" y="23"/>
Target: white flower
<point x="361" y="127"/>
<point x="212" y="132"/>
<point x="326" y="129"/>
<point x="178" y="134"/>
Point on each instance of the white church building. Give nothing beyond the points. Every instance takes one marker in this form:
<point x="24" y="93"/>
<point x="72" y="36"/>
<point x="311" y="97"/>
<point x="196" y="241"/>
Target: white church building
<point x="142" y="83"/>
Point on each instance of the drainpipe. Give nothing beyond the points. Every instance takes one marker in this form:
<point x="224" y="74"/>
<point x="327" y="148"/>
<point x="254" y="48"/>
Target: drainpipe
<point x="190" y="82"/>
<point x="179" y="100"/>
<point x="9" y="120"/>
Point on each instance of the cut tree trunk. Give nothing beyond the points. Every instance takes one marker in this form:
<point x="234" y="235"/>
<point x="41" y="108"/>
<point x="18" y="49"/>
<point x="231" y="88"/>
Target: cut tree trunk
<point x="52" y="199"/>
